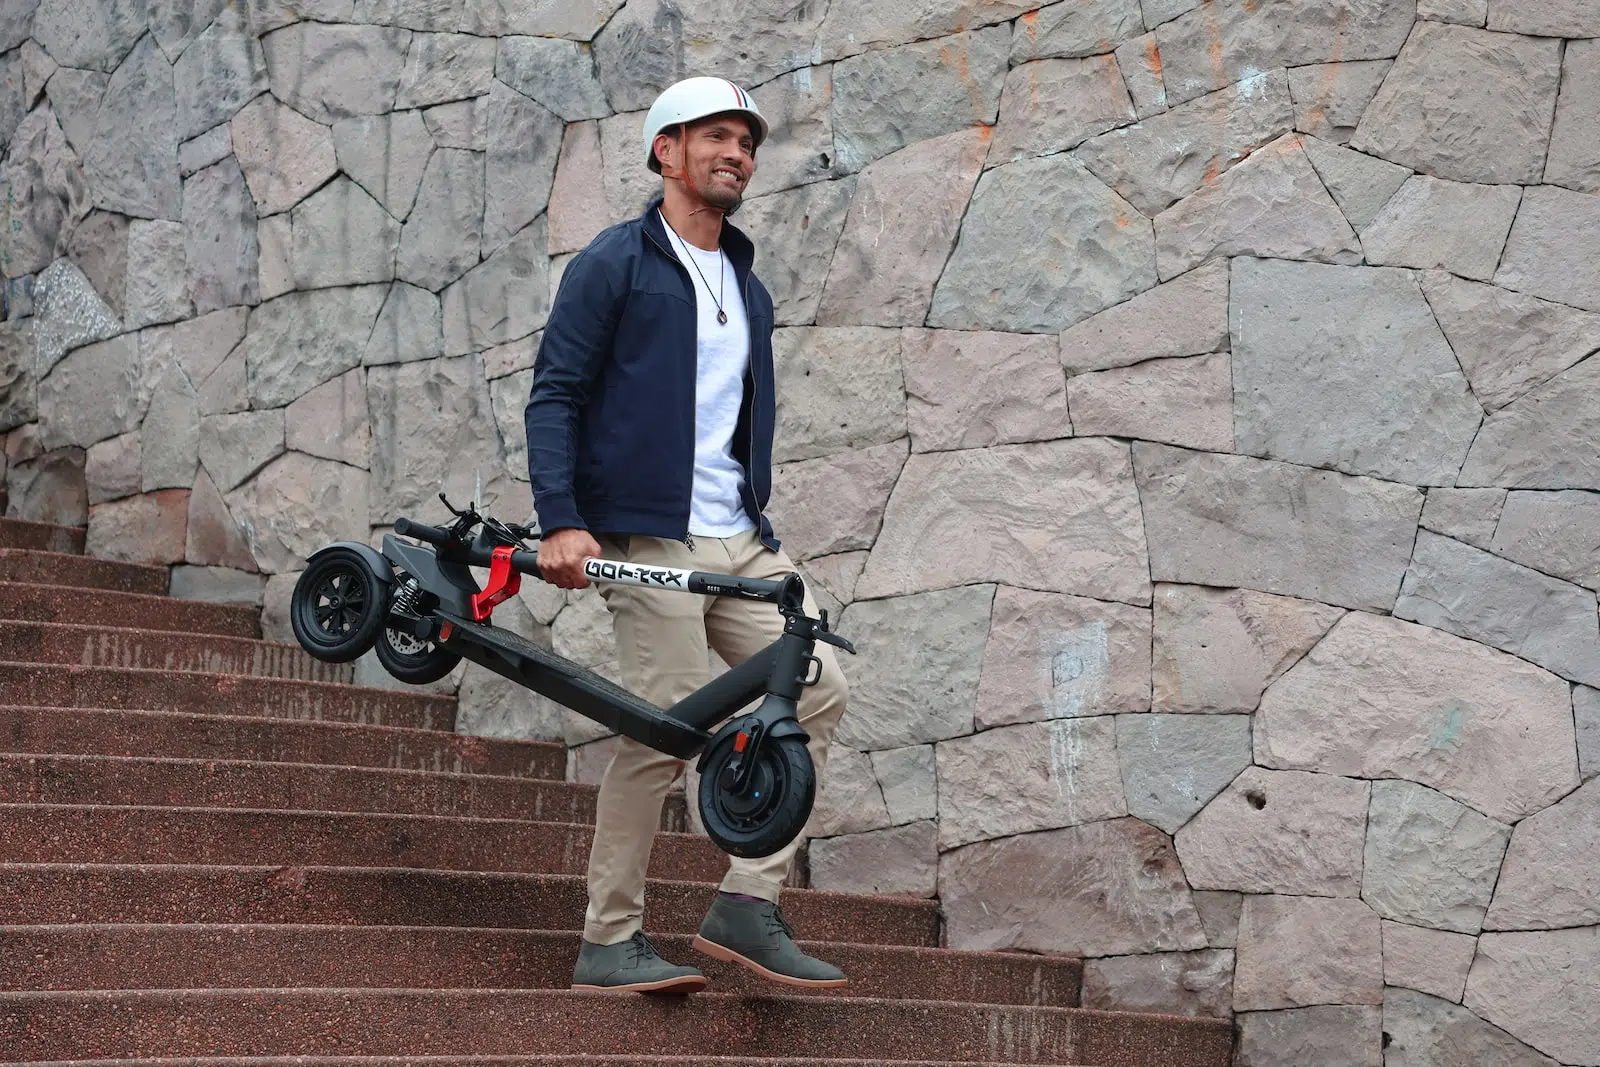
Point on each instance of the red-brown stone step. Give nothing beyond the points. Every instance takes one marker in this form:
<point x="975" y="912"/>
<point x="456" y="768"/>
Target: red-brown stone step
<point x="49" y="685"/>
<point x="457" y="1021"/>
<point x="557" y="1060"/>
<point x="49" y="833"/>
<point x="98" y="607"/>
<point x="41" y="536"/>
<point x="289" y="957"/>
<point x="84" y="572"/>
<point x="36" y="894"/>
<point x="192" y="783"/>
<point x="184" y="735"/>
<point x="104" y="646"/>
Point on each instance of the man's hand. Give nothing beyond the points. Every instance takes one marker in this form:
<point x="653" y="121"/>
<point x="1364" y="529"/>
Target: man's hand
<point x="561" y="557"/>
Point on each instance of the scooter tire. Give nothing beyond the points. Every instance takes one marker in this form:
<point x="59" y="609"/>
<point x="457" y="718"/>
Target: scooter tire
<point x="338" y="606"/>
<point x="775" y="807"/>
<point x="415" y="668"/>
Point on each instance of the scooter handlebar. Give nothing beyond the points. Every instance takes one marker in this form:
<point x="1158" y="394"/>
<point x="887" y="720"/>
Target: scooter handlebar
<point x="421" y="531"/>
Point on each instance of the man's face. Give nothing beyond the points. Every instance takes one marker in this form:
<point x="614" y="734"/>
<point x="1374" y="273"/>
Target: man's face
<point x="719" y="157"/>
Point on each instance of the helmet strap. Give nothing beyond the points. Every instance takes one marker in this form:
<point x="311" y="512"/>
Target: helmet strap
<point x="683" y="176"/>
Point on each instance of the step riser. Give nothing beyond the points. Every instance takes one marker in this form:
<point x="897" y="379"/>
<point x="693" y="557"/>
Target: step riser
<point x="65" y="1026"/>
<point x="220" y="694"/>
<point x="76" y="731"/>
<point x="90" y="646"/>
<point x="39" y="834"/>
<point x="354" y="897"/>
<point x="179" y="957"/>
<point x="51" y="568"/>
<point x="91" y="607"/>
<point x="40" y="536"/>
<point x="94" y="780"/>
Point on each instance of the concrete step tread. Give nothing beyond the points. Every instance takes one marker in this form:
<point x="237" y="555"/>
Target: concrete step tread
<point x="90" y="833"/>
<point x="60" y="685"/>
<point x="117" y="892"/>
<point x="144" y="732"/>
<point x="40" y="567"/>
<point x="307" y="1022"/>
<point x="199" y="956"/>
<point x="61" y="603"/>
<point x="125" y="781"/>
<point x="20" y="533"/>
<point x="89" y="645"/>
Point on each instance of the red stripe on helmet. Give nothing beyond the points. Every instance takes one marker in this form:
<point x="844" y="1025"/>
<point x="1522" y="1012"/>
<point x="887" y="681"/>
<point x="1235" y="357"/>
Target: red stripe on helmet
<point x="738" y="94"/>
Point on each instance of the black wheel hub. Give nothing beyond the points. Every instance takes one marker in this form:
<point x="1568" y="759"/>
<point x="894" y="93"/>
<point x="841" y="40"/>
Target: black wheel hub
<point x="338" y="602"/>
<point x="756" y="803"/>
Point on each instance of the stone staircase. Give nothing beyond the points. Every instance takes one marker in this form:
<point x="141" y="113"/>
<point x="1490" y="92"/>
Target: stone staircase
<point x="217" y="850"/>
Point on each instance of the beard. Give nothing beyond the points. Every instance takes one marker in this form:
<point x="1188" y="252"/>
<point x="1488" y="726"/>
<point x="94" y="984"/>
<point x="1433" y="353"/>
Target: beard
<point x="721" y="197"/>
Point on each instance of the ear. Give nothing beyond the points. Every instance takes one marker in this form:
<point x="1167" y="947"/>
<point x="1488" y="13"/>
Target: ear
<point x="667" y="147"/>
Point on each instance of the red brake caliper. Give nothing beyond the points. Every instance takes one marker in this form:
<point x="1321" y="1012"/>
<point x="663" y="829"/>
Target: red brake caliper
<point x="504" y="581"/>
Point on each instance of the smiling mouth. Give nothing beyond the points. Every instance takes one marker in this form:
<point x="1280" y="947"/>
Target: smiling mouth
<point x="723" y="172"/>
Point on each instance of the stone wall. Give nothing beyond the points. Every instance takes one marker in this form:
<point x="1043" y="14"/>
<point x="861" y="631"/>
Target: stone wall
<point x="1186" y="403"/>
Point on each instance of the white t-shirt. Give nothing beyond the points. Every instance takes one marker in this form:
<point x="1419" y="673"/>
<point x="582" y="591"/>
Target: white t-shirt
<point x="723" y="351"/>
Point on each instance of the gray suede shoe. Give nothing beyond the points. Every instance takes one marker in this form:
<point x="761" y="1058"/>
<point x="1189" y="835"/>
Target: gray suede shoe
<point x="754" y="934"/>
<point x="633" y="966"/>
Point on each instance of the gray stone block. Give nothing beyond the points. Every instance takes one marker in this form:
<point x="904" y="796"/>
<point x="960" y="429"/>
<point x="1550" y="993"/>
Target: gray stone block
<point x="1431" y="223"/>
<point x="1475" y="594"/>
<point x="1402" y="409"/>
<point x="839" y="388"/>
<point x="1430" y="961"/>
<point x="1383" y="698"/>
<point x="220" y="72"/>
<point x="1079" y="249"/>
<point x="1430" y="860"/>
<point x="1051" y="656"/>
<point x="1574" y="159"/>
<point x="1074" y="30"/>
<point x="1295" y="952"/>
<point x="132" y="156"/>
<point x="1330" y="98"/>
<point x="1272" y="206"/>
<point x="1329" y="1036"/>
<point x="1172" y="765"/>
<point x="934" y="635"/>
<point x="1360" y="185"/>
<point x="886" y="100"/>
<point x="1108" y="888"/>
<point x="1051" y="105"/>
<point x="1466" y="104"/>
<point x="1168" y="156"/>
<point x="856" y="485"/>
<point x="559" y="74"/>
<point x="1081" y="492"/>
<point x="1275" y="527"/>
<point x="1279" y="832"/>
<point x="1170" y="983"/>
<point x="1425" y="1031"/>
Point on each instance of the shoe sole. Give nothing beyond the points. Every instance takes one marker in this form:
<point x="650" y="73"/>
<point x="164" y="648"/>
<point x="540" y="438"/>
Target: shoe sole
<point x="727" y="955"/>
<point x="686" y="984"/>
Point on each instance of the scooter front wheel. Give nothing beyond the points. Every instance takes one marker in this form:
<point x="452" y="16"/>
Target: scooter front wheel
<point x="774" y="806"/>
<point x="337" y="606"/>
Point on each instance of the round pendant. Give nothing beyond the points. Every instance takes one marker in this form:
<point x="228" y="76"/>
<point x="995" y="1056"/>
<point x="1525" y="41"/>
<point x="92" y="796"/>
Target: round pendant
<point x="722" y="316"/>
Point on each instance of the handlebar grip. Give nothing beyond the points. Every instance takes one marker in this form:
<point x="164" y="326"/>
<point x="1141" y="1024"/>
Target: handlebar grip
<point x="422" y="532"/>
<point x="527" y="563"/>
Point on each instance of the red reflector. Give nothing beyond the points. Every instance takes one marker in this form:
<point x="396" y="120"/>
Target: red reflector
<point x="445" y="631"/>
<point x="740" y="740"/>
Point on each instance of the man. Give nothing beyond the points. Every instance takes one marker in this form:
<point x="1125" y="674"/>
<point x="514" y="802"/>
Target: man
<point x="649" y="427"/>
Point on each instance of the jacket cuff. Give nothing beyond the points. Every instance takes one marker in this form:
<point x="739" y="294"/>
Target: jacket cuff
<point x="558" y="511"/>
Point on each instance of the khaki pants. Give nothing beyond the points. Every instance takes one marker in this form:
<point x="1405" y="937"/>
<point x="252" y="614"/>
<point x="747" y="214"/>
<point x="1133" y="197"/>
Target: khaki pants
<point x="662" y="638"/>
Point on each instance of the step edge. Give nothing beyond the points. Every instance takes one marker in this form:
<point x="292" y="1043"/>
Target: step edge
<point x="288" y="765"/>
<point x="345" y="687"/>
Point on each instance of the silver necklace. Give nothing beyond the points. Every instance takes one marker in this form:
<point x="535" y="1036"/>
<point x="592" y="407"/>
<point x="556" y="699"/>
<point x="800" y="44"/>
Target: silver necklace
<point x="722" y="272"/>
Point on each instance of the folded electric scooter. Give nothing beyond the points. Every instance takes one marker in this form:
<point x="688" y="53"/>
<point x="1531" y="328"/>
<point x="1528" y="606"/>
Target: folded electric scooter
<point x="419" y="607"/>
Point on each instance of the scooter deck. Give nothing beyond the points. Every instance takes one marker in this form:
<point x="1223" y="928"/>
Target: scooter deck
<point x="571" y="685"/>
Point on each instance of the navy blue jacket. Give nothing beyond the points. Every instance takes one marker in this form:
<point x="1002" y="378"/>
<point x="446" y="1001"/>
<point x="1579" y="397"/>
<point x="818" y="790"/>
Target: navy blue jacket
<point x="610" y="419"/>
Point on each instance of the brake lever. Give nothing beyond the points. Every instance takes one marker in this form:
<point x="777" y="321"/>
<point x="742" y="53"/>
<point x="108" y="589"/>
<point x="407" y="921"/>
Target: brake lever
<point x="829" y="637"/>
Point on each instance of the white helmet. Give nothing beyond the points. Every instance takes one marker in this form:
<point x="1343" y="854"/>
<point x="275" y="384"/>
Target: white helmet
<point x="693" y="99"/>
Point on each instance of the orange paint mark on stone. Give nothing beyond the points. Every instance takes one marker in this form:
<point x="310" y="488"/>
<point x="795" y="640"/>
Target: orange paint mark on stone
<point x="1030" y="25"/>
<point x="1213" y="172"/>
<point x="1152" y="56"/>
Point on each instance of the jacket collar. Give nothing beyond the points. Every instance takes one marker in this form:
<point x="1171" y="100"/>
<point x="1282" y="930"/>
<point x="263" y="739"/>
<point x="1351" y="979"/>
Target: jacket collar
<point x="740" y="249"/>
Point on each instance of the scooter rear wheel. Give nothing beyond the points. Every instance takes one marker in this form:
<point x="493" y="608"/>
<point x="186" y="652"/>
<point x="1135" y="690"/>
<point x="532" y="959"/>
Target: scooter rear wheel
<point x="412" y="659"/>
<point x="771" y="811"/>
<point x="337" y="606"/>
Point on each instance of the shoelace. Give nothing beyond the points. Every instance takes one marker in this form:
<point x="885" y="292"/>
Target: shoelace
<point x="642" y="948"/>
<point x="776" y="921"/>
